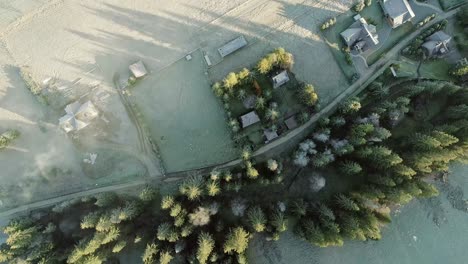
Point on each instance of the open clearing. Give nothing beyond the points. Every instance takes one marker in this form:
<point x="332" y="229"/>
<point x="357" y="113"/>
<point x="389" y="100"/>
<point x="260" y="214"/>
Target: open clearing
<point x="184" y="117"/>
<point x="91" y="41"/>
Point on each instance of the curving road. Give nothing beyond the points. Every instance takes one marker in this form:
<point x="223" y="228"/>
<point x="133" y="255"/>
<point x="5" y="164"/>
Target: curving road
<point x="278" y="146"/>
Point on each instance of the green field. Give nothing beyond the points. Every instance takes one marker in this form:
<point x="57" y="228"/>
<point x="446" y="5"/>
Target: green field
<point x="185" y="119"/>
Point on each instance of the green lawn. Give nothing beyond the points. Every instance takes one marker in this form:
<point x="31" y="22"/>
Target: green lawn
<point x="436" y="69"/>
<point x="450" y="4"/>
<point x="334" y="41"/>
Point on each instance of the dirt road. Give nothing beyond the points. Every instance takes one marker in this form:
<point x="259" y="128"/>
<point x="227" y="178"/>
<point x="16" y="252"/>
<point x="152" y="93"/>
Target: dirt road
<point x="277" y="146"/>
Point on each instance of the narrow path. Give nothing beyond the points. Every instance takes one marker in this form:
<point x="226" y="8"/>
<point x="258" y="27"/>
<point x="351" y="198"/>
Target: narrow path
<point x="275" y="147"/>
<point x="154" y="164"/>
<point x="427" y="5"/>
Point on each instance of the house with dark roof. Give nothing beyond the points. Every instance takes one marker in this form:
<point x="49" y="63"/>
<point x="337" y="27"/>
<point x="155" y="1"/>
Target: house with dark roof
<point x="436" y="45"/>
<point x="397" y="12"/>
<point x="360" y="36"/>
<point x="249" y="119"/>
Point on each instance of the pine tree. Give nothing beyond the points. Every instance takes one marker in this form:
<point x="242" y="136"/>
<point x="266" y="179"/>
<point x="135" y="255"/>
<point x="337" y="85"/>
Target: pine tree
<point x="165" y="257"/>
<point x="151" y="251"/>
<point x="106" y="199"/>
<point x="175" y="209"/>
<point x="90" y="220"/>
<point x="350" y="167"/>
<point x="299" y="208"/>
<point x="326" y="214"/>
<point x="205" y="247"/>
<point x="278" y="221"/>
<point x="236" y="241"/>
<point x="257" y="219"/>
<point x="346" y="203"/>
<point x="192" y="187"/>
<point x="119" y="246"/>
<point x="167" y="202"/>
<point x="164" y="230"/>
<point x="427" y="190"/>
<point x="444" y="138"/>
<point x="213" y="188"/>
<point x="148" y="194"/>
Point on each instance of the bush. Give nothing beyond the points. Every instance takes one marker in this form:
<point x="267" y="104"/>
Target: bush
<point x="359" y="6"/>
<point x="308" y="95"/>
<point x="329" y="23"/>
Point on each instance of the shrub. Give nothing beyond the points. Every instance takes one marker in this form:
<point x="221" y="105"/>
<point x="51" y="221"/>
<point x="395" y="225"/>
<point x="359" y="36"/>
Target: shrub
<point x="308" y="95"/>
<point x="359" y="6"/>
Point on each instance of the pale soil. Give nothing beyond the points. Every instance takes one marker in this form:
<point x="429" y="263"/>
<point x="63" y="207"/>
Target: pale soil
<point x="93" y="40"/>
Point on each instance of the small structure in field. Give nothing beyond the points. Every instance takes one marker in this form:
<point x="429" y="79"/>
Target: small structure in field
<point x="232" y="46"/>
<point x="269" y="135"/>
<point x="436" y="45"/>
<point x="249" y="119"/>
<point x="360" y="36"/>
<point x="138" y="69"/>
<point x="78" y="116"/>
<point x="397" y="12"/>
<point x="291" y="123"/>
<point x="280" y="79"/>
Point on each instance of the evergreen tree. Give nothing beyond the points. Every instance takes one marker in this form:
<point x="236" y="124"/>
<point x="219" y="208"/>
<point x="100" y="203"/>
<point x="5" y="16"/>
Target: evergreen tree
<point x="236" y="241"/>
<point x="167" y="202"/>
<point x="346" y="203"/>
<point x="257" y="219"/>
<point x="205" y="247"/>
<point x="148" y="194"/>
<point x="350" y="167"/>
<point x="165" y="257"/>
<point x="192" y="188"/>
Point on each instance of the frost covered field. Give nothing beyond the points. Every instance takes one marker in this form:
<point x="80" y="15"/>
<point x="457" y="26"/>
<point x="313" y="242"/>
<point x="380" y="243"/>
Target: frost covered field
<point x="93" y="40"/>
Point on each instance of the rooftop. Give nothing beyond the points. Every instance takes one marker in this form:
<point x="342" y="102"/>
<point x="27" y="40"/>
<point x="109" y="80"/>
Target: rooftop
<point x="138" y="69"/>
<point x="249" y="119"/>
<point x="280" y="79"/>
<point x="232" y="46"/>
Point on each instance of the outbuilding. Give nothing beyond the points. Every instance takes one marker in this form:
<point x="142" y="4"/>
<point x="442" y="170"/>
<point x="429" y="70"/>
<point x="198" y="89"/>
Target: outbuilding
<point x="249" y="119"/>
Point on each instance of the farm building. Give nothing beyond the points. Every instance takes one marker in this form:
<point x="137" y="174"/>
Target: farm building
<point x="232" y="46"/>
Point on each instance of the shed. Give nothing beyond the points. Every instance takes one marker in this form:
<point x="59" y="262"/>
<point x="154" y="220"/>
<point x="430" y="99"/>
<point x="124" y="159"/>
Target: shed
<point x="269" y="135"/>
<point x="280" y="79"/>
<point x="249" y="119"/>
<point x="138" y="69"/>
<point x="291" y="123"/>
<point x="232" y="46"/>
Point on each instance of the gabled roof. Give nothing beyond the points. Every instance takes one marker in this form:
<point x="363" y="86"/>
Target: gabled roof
<point x="399" y="10"/>
<point x="138" y="69"/>
<point x="232" y="46"/>
<point x="360" y="31"/>
<point x="440" y="36"/>
<point x="249" y="119"/>
<point x="280" y="79"/>
<point x="78" y="116"/>
<point x="436" y="43"/>
<point x="396" y="8"/>
<point x="350" y="35"/>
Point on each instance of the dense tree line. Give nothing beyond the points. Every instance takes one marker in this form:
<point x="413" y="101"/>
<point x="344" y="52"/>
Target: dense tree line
<point x="212" y="218"/>
<point x="395" y="169"/>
